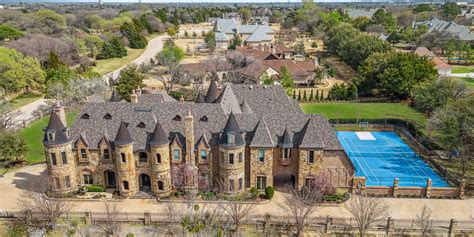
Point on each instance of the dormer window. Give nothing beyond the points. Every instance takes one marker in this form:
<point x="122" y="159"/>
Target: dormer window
<point x="141" y="125"/>
<point x="177" y="118"/>
<point x="107" y="116"/>
<point x="51" y="136"/>
<point x="68" y="134"/>
<point x="86" y="116"/>
<point x="231" y="138"/>
<point x="203" y="119"/>
<point x="286" y="153"/>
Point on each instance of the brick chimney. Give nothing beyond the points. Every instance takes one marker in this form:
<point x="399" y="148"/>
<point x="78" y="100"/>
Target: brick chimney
<point x="59" y="110"/>
<point x="134" y="98"/>
<point x="189" y="134"/>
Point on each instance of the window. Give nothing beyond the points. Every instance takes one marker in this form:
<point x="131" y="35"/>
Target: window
<point x="158" y="158"/>
<point x="108" y="116"/>
<point x="83" y="154"/>
<point x="203" y="154"/>
<point x="106" y="154"/>
<point x="286" y="153"/>
<point x="124" y="158"/>
<point x="53" y="158"/>
<point x="241" y="157"/>
<point x="261" y="155"/>
<point x="64" y="157"/>
<point x="67" y="180"/>
<point x="85" y="116"/>
<point x="261" y="182"/>
<point x="125" y="185"/>
<point x="51" y="137"/>
<point x="231" y="158"/>
<point x="176" y="154"/>
<point x="311" y="157"/>
<point x="57" y="184"/>
<point x="230" y="138"/>
<point x="141" y="125"/>
<point x="203" y="119"/>
<point x="240" y="184"/>
<point x="231" y="185"/>
<point x="308" y="181"/>
<point x="87" y="179"/>
<point x="161" y="185"/>
<point x="177" y="118"/>
<point x="143" y="157"/>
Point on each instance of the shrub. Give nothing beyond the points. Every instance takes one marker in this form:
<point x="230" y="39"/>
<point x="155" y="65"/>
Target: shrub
<point x="269" y="192"/>
<point x="314" y="45"/>
<point x="176" y="94"/>
<point x="95" y="188"/>
<point x="130" y="235"/>
<point x="254" y="192"/>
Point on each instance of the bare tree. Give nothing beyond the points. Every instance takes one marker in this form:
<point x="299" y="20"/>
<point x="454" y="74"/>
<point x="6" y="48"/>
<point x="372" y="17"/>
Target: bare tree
<point x="423" y="220"/>
<point x="237" y="209"/>
<point x="366" y="211"/>
<point x="237" y="61"/>
<point x="183" y="175"/>
<point x="45" y="209"/>
<point x="111" y="223"/>
<point x="299" y="204"/>
<point x="8" y="119"/>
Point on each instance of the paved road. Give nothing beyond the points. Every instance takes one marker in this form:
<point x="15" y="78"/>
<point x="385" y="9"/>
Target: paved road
<point x="470" y="75"/>
<point x="28" y="178"/>
<point x="26" y="112"/>
<point x="154" y="46"/>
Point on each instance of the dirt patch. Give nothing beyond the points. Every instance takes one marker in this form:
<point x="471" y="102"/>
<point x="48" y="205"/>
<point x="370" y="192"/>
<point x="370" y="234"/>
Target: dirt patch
<point x="343" y="71"/>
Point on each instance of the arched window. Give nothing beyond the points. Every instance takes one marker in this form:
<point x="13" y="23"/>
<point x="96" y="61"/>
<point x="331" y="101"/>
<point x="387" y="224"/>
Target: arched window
<point x="161" y="185"/>
<point x="85" y="116"/>
<point x="108" y="116"/>
<point x="125" y="185"/>
<point x="177" y="118"/>
<point x="158" y="158"/>
<point x="143" y="156"/>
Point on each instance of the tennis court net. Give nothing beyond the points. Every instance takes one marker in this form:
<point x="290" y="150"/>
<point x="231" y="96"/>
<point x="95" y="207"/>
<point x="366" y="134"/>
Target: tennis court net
<point x="383" y="154"/>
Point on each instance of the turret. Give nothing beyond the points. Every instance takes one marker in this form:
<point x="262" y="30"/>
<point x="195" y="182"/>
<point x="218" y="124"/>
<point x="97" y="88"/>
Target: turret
<point x="232" y="161"/>
<point x="160" y="161"/>
<point x="125" y="161"/>
<point x="211" y="95"/>
<point x="59" y="155"/>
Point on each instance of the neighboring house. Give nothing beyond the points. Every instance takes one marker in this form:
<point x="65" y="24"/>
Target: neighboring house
<point x="246" y="136"/>
<point x="440" y="65"/>
<point x="221" y="68"/>
<point x="226" y="30"/>
<point x="259" y="20"/>
<point x="356" y="12"/>
<point x="463" y="32"/>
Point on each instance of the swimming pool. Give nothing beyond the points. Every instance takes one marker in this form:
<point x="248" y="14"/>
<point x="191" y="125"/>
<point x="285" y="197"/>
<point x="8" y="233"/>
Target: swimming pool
<point x="383" y="156"/>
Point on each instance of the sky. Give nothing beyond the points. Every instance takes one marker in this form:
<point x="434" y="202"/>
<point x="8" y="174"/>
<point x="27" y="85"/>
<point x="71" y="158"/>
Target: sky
<point x="190" y="1"/>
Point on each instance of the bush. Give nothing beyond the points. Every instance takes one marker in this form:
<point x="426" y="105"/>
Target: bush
<point x="208" y="195"/>
<point x="176" y="94"/>
<point x="314" y="45"/>
<point x="95" y="188"/>
<point x="254" y="192"/>
<point x="113" y="49"/>
<point x="269" y="192"/>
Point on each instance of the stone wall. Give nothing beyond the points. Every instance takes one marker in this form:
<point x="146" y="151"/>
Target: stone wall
<point x="234" y="171"/>
<point x="307" y="170"/>
<point x="258" y="168"/>
<point x="126" y="170"/>
<point x="58" y="173"/>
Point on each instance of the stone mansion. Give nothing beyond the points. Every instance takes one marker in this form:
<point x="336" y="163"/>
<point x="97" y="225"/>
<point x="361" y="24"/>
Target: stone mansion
<point x="234" y="138"/>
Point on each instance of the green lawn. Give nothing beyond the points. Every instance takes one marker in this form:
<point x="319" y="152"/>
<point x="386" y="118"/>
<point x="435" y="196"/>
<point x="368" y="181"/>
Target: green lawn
<point x="462" y="69"/>
<point x="25" y="99"/>
<point x="33" y="135"/>
<point x="469" y="81"/>
<point x="365" y="110"/>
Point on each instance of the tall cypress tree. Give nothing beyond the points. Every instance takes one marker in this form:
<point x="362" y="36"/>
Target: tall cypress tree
<point x="317" y="96"/>
<point x="299" y="95"/>
<point x="304" y="96"/>
<point x="311" y="96"/>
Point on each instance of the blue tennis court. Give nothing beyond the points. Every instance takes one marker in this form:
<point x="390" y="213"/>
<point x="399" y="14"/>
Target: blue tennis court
<point x="383" y="156"/>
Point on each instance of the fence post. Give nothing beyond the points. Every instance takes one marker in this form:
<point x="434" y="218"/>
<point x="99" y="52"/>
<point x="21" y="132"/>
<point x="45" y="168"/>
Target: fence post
<point x="429" y="183"/>
<point x="462" y="187"/>
<point x="395" y="187"/>
<point x="88" y="217"/>
<point x="452" y="227"/>
<point x="266" y="220"/>
<point x="24" y="123"/>
<point x="147" y="218"/>
<point x="390" y="223"/>
<point x="328" y="226"/>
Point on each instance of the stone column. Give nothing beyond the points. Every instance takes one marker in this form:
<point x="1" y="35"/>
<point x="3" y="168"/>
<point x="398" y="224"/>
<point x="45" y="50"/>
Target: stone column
<point x="87" y="217"/>
<point x="429" y="184"/>
<point x="147" y="218"/>
<point x="328" y="226"/>
<point x="390" y="224"/>
<point x="395" y="187"/>
<point x="462" y="187"/>
<point x="452" y="227"/>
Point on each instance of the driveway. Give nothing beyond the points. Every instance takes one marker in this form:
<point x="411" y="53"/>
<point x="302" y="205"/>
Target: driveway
<point x="28" y="178"/>
<point x="27" y="112"/>
<point x="154" y="46"/>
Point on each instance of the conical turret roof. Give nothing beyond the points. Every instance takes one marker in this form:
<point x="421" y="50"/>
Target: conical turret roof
<point x="115" y="97"/>
<point x="200" y="98"/>
<point x="123" y="135"/>
<point x="286" y="141"/>
<point x="211" y="95"/>
<point x="159" y="137"/>
<point x="231" y="128"/>
<point x="245" y="108"/>
<point x="56" y="126"/>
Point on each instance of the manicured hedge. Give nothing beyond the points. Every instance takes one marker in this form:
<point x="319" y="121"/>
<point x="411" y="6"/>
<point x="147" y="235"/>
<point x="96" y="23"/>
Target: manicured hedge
<point x="95" y="188"/>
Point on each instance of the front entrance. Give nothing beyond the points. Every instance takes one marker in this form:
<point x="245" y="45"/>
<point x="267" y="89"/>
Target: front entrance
<point x="279" y="181"/>
<point x="144" y="182"/>
<point x="110" y="181"/>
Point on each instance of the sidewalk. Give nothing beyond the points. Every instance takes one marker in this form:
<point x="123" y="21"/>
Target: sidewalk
<point x="13" y="183"/>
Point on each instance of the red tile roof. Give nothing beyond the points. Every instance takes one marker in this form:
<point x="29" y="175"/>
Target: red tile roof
<point x="440" y="64"/>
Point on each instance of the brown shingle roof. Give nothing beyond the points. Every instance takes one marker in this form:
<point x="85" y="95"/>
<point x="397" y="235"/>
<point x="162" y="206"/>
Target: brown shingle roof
<point x="440" y="64"/>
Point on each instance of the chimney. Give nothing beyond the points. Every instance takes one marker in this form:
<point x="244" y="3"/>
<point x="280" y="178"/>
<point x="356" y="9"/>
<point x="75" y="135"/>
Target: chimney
<point x="138" y="91"/>
<point x="59" y="110"/>
<point x="189" y="134"/>
<point x="181" y="99"/>
<point x="134" y="98"/>
<point x="273" y="49"/>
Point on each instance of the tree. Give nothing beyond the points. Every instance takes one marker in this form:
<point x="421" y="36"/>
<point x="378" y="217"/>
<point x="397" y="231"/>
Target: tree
<point x="366" y="211"/>
<point x="8" y="119"/>
<point x="171" y="32"/>
<point x="132" y="32"/>
<point x="268" y="80"/>
<point x="286" y="79"/>
<point x="299" y="204"/>
<point x="194" y="34"/>
<point x="423" y="220"/>
<point x="170" y="57"/>
<point x="113" y="49"/>
<point x="355" y="50"/>
<point x="93" y="45"/>
<point x="9" y="33"/>
<point x="430" y="95"/>
<point x="319" y="74"/>
<point x="450" y="10"/>
<point x="129" y="80"/>
<point x="361" y="23"/>
<point x="186" y="34"/>
<point x="422" y="8"/>
<point x="111" y="224"/>
<point x="12" y="146"/>
<point x="382" y="17"/>
<point x="19" y="72"/>
<point x="245" y="13"/>
<point x="76" y="91"/>
<point x="236" y="42"/>
<point x="210" y="40"/>
<point x="299" y="48"/>
<point x="451" y="126"/>
<point x="238" y="210"/>
<point x="395" y="73"/>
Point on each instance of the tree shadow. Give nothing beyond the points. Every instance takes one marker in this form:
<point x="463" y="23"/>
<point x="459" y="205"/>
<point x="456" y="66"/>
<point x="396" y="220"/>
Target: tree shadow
<point x="31" y="182"/>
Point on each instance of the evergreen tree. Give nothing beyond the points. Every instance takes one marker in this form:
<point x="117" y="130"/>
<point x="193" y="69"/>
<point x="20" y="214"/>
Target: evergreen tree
<point x="299" y="95"/>
<point x="311" y="96"/>
<point x="113" y="49"/>
<point x="317" y="96"/>
<point x="294" y="94"/>
<point x="136" y="39"/>
<point x="304" y="96"/>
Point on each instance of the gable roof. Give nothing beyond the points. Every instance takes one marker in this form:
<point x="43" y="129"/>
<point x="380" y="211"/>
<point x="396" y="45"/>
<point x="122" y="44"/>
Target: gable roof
<point x="440" y="63"/>
<point x="261" y="135"/>
<point x="310" y="136"/>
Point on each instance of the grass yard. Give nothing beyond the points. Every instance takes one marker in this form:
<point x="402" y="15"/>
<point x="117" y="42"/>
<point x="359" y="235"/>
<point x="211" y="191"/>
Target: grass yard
<point x="33" y="135"/>
<point x="365" y="110"/>
<point x="25" y="99"/>
<point x="462" y="69"/>
<point x="469" y="81"/>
